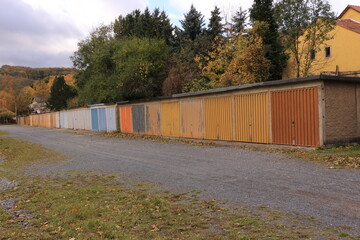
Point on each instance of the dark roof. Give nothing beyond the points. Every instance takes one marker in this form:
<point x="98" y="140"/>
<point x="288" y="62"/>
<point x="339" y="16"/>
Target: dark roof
<point x="38" y="99"/>
<point x="354" y="7"/>
<point x="349" y="24"/>
<point x="250" y="86"/>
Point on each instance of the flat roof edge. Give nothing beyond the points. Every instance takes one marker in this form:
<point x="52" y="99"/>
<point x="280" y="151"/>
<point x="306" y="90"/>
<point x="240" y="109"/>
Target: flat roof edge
<point x="248" y="86"/>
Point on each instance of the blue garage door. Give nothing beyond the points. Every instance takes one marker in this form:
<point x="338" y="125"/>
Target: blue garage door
<point x="94" y="119"/>
<point x="102" y="119"/>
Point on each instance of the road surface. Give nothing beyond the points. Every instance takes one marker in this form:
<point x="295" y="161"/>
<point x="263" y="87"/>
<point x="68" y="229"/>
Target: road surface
<point x="246" y="177"/>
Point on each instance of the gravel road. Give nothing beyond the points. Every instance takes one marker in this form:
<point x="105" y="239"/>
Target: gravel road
<point x="246" y="177"/>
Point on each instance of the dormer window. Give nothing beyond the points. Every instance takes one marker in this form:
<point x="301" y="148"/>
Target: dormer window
<point x="327" y="52"/>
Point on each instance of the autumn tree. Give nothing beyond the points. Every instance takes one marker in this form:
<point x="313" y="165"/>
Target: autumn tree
<point x="263" y="11"/>
<point x="7" y="100"/>
<point x="60" y="93"/>
<point x="23" y="100"/>
<point x="305" y="25"/>
<point x="237" y="60"/>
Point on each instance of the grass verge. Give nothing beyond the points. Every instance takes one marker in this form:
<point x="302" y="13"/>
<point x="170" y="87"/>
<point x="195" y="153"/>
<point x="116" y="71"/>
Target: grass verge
<point x="343" y="156"/>
<point x="88" y="205"/>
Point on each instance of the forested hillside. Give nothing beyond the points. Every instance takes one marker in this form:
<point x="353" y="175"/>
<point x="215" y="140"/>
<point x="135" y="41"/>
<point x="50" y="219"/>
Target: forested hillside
<point x="18" y="85"/>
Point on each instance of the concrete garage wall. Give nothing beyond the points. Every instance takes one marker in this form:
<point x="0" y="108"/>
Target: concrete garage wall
<point x="310" y="111"/>
<point x="341" y="112"/>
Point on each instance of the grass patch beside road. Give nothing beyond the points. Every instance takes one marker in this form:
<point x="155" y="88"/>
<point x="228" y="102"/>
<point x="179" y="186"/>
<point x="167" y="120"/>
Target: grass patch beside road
<point x="346" y="156"/>
<point x="96" y="206"/>
<point x="17" y="153"/>
<point x="3" y="133"/>
<point x="88" y="205"/>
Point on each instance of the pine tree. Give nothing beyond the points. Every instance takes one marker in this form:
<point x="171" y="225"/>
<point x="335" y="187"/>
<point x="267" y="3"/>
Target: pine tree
<point x="60" y="93"/>
<point x="215" y="27"/>
<point x="263" y="10"/>
<point x="193" y="24"/>
<point x="238" y="21"/>
<point x="154" y="24"/>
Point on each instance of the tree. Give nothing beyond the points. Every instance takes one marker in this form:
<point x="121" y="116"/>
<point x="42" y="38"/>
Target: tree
<point x="7" y="99"/>
<point x="238" y="21"/>
<point x="215" y="27"/>
<point x="237" y="60"/>
<point x="306" y="25"/>
<point x="263" y="10"/>
<point x="193" y="41"/>
<point x="60" y="93"/>
<point x="6" y="116"/>
<point x="96" y="66"/>
<point x="148" y="24"/>
<point x="23" y="100"/>
<point x="192" y="25"/>
<point x="141" y="65"/>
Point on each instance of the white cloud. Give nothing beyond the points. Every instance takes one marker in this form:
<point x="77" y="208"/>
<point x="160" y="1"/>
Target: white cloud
<point x="43" y="32"/>
<point x="87" y="14"/>
<point x="229" y="7"/>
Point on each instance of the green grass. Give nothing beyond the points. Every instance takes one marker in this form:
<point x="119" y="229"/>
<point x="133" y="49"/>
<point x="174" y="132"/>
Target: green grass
<point x="90" y="205"/>
<point x="18" y="154"/>
<point x="3" y="133"/>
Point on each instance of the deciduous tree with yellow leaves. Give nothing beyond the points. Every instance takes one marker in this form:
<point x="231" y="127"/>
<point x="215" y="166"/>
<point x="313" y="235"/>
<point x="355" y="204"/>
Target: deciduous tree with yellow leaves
<point x="240" y="59"/>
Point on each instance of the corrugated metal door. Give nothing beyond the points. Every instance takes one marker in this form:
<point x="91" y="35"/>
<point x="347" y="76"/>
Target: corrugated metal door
<point x="153" y="119"/>
<point x="126" y="120"/>
<point x="102" y="119"/>
<point x="86" y="115"/>
<point x="94" y="119"/>
<point x="252" y="118"/>
<point x="138" y="118"/>
<point x="78" y="124"/>
<point x="218" y="118"/>
<point x="191" y="112"/>
<point x="111" y="122"/>
<point x="57" y="119"/>
<point x="295" y="117"/>
<point x="170" y="119"/>
<point x="69" y="119"/>
<point x="62" y="119"/>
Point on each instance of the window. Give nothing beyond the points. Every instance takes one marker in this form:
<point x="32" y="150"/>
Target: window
<point x="327" y="52"/>
<point x="312" y="54"/>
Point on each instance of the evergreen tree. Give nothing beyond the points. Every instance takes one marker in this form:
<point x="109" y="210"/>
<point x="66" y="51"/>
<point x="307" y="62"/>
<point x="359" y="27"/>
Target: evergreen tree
<point x="154" y="24"/>
<point x="60" y="93"/>
<point x="215" y="27"/>
<point x="238" y="21"/>
<point x="263" y="11"/>
<point x="192" y="25"/>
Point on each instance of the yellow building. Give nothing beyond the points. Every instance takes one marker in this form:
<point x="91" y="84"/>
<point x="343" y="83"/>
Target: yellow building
<point x="340" y="54"/>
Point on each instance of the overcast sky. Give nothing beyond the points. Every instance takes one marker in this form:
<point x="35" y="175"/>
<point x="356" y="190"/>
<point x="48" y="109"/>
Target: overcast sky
<point x="45" y="33"/>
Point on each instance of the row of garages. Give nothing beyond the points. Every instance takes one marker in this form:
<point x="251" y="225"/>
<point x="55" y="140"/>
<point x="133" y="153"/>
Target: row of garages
<point x="292" y="112"/>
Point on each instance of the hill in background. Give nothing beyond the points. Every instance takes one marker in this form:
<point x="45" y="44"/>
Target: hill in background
<point x="18" y="85"/>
